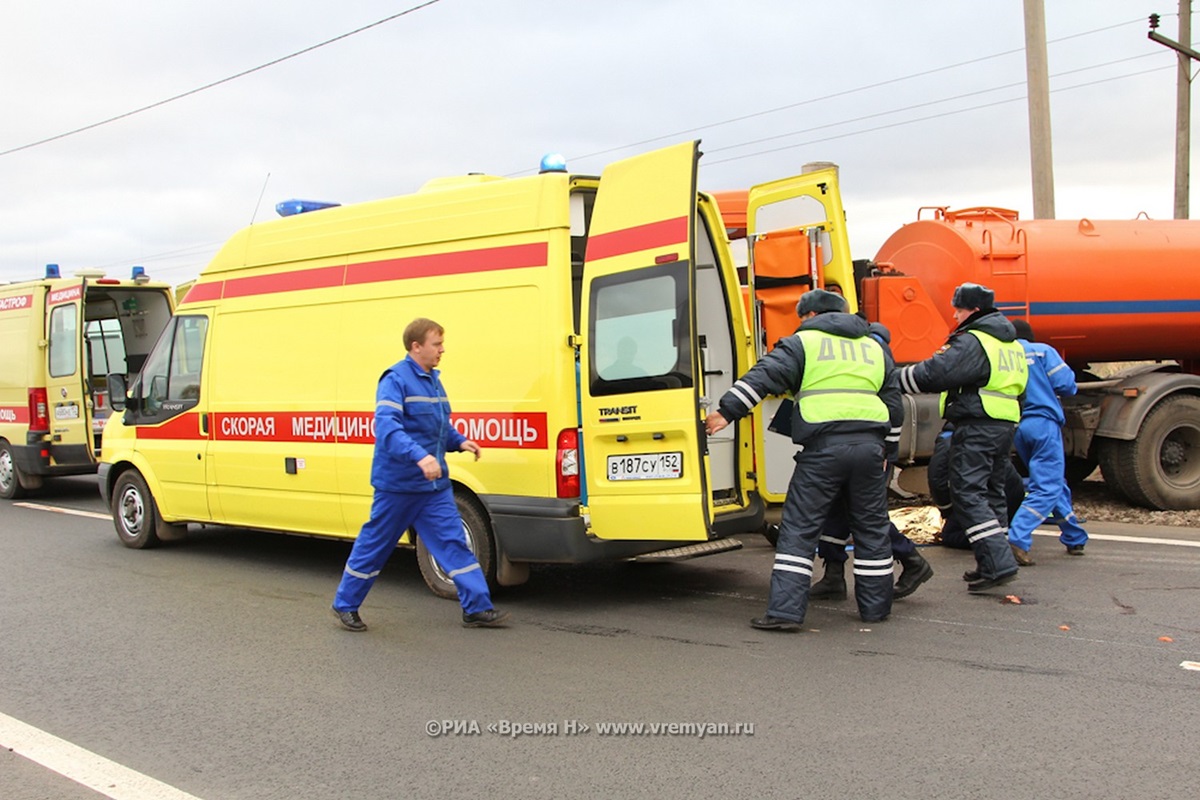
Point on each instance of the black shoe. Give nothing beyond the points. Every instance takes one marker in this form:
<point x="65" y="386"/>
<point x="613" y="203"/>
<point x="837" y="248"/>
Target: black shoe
<point x="485" y="619"/>
<point x="916" y="571"/>
<point x="832" y="585"/>
<point x="982" y="584"/>
<point x="1075" y="550"/>
<point x="828" y="589"/>
<point x="971" y="575"/>
<point x="769" y="623"/>
<point x="875" y="619"/>
<point x="350" y="620"/>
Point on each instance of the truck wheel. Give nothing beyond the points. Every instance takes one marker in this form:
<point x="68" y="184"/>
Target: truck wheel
<point x="1161" y="467"/>
<point x="10" y="479"/>
<point x="134" y="511"/>
<point x="478" y="531"/>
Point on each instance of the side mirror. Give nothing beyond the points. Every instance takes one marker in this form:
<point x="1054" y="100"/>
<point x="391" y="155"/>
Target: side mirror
<point x="116" y="391"/>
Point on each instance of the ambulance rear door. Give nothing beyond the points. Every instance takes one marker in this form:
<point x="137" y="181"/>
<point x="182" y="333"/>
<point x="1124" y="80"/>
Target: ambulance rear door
<point x="796" y="234"/>
<point x="641" y="381"/>
<point x="70" y="429"/>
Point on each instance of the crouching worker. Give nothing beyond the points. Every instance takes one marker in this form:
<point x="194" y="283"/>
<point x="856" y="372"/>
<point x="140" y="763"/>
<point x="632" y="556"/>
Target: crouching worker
<point x="412" y="484"/>
<point x="846" y="394"/>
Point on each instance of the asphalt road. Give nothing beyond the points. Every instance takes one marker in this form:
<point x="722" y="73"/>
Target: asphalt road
<point x="215" y="667"/>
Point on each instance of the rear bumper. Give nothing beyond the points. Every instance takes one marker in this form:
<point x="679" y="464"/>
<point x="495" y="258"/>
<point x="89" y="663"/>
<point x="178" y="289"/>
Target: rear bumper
<point x="552" y="531"/>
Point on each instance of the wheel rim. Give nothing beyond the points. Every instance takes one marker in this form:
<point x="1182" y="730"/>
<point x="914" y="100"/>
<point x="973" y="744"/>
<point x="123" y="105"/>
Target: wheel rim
<point x="1177" y="456"/>
<point x="8" y="471"/>
<point x="441" y="574"/>
<point x="132" y="510"/>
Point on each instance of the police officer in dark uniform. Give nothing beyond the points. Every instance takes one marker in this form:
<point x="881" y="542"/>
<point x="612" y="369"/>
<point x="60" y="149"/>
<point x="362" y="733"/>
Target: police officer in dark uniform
<point x="981" y="373"/>
<point x="915" y="570"/>
<point x="845" y="390"/>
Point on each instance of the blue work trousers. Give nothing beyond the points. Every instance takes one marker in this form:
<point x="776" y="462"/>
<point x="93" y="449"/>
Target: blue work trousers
<point x="1047" y="496"/>
<point x="435" y="518"/>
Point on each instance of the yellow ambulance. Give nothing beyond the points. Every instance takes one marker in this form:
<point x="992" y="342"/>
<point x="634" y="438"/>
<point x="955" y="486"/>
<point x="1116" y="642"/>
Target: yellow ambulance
<point x="59" y="339"/>
<point x="590" y="323"/>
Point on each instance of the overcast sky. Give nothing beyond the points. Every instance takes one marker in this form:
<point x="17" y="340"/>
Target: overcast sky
<point x="920" y="102"/>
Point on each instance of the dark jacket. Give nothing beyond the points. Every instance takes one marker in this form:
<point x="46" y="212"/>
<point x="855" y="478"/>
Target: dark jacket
<point x="960" y="367"/>
<point x="781" y="371"/>
<point x="412" y="420"/>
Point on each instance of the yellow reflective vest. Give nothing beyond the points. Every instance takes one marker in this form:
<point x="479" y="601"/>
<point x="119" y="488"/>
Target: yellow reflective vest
<point x="842" y="378"/>
<point x="1007" y="380"/>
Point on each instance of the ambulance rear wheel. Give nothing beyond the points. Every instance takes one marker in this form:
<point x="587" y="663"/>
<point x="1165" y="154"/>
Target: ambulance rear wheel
<point x="134" y="511"/>
<point x="10" y="479"/>
<point x="478" y="532"/>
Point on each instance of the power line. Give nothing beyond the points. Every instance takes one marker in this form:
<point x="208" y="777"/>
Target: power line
<point x="926" y="119"/>
<point x="928" y="103"/>
<point x="207" y="86"/>
<point x="835" y="95"/>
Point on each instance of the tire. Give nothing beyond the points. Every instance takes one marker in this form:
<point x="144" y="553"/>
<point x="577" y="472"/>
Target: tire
<point x="478" y="531"/>
<point x="1161" y="467"/>
<point x="135" y="514"/>
<point x="10" y="476"/>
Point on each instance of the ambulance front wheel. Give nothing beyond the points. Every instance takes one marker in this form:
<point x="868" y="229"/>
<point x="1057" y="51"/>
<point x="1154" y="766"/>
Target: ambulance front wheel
<point x="478" y="532"/>
<point x="10" y="478"/>
<point x="134" y="511"/>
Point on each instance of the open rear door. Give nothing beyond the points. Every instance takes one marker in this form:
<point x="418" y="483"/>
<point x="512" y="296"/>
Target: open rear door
<point x="796" y="232"/>
<point x="70" y="428"/>
<point x="640" y="366"/>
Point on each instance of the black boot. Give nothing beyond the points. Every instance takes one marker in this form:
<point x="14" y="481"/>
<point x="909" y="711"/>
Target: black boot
<point x="916" y="571"/>
<point x="832" y="585"/>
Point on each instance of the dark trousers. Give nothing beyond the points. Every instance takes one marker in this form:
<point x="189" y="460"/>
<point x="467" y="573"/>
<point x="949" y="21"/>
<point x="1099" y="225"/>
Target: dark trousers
<point x="979" y="464"/>
<point x="855" y="467"/>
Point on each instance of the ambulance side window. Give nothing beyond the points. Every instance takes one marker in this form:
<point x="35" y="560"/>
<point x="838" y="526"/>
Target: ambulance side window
<point x="639" y="331"/>
<point x="64" y="340"/>
<point x="170" y="379"/>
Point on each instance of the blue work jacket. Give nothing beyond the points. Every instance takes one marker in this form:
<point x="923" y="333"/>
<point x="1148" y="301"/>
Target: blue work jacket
<point x="412" y="420"/>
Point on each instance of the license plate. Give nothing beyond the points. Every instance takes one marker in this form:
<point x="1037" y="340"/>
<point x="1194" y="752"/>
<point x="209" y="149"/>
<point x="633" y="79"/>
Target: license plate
<point x="645" y="467"/>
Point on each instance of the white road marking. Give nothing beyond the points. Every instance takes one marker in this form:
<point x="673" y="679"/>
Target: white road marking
<point x="1108" y="537"/>
<point x="60" y="510"/>
<point x="1192" y="665"/>
<point x="82" y="766"/>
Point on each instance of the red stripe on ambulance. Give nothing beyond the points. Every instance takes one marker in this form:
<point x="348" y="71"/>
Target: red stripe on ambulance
<point x="668" y="233"/>
<point x="16" y="302"/>
<point x="488" y="259"/>
<point x="14" y="414"/>
<point x="525" y="431"/>
<point x="65" y="295"/>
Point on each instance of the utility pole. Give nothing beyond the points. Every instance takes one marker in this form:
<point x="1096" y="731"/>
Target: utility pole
<point x="1183" y="103"/>
<point x="1037" y="78"/>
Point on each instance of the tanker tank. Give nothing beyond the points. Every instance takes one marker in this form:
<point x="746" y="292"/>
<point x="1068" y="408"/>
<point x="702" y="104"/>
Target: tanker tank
<point x="1097" y="290"/>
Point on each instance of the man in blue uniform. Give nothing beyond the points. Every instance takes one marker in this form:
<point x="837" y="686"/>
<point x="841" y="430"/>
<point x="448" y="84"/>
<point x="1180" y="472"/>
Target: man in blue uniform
<point x="1039" y="444"/>
<point x="412" y="484"/>
<point x="846" y="394"/>
<point x="980" y="372"/>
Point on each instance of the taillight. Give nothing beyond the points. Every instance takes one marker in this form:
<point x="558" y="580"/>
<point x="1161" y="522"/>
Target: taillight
<point x="566" y="462"/>
<point x="39" y="410"/>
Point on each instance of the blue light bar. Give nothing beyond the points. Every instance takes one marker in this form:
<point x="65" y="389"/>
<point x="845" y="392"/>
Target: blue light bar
<point x="139" y="275"/>
<point x="52" y="271"/>
<point x="290" y="207"/>
<point x="553" y="162"/>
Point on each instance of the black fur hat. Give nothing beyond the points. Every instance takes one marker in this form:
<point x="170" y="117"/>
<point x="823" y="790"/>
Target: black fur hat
<point x="820" y="301"/>
<point x="972" y="295"/>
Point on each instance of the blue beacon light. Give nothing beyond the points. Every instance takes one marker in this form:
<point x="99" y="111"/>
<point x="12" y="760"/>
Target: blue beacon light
<point x="553" y="162"/>
<point x="52" y="271"/>
<point x="138" y="275"/>
<point x="291" y="207"/>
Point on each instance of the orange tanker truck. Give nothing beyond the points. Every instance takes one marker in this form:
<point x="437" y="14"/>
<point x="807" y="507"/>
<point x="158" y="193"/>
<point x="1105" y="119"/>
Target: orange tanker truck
<point x="1119" y="299"/>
